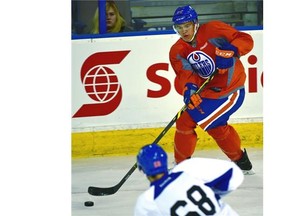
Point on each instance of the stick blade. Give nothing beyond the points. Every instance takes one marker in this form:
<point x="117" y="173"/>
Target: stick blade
<point x="96" y="191"/>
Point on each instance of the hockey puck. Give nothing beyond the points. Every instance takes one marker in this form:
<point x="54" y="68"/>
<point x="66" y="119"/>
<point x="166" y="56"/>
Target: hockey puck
<point x="89" y="203"/>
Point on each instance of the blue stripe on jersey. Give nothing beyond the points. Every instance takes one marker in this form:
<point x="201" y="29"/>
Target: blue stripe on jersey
<point x="220" y="185"/>
<point x="162" y="183"/>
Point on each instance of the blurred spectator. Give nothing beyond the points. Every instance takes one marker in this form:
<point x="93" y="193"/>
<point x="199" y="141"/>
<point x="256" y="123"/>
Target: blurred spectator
<point x="115" y="22"/>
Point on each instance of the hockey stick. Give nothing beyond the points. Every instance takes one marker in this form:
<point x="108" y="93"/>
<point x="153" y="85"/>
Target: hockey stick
<point x="98" y="191"/>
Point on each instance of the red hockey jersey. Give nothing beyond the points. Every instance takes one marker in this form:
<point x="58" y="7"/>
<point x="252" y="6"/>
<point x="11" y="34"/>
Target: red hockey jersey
<point x="186" y="59"/>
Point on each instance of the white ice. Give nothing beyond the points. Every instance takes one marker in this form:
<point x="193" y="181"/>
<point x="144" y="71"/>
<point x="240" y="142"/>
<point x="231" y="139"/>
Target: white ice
<point x="108" y="171"/>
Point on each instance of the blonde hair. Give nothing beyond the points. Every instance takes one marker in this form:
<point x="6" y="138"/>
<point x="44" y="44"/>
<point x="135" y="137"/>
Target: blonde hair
<point x="120" y="22"/>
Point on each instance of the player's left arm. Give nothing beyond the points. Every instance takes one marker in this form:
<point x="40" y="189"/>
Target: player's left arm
<point x="229" y="43"/>
<point x="242" y="41"/>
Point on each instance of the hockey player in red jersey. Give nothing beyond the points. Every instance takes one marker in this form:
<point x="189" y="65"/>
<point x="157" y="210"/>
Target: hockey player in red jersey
<point x="200" y="50"/>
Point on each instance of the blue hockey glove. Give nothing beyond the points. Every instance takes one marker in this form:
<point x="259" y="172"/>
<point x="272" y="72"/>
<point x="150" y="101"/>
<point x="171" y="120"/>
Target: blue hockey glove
<point x="224" y="57"/>
<point x="191" y="99"/>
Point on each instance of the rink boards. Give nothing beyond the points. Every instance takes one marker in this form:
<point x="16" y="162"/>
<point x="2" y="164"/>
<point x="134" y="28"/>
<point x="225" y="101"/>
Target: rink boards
<point x="128" y="142"/>
<point x="141" y="97"/>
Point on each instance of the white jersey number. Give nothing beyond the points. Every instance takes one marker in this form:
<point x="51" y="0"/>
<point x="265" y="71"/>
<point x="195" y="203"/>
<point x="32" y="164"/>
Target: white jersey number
<point x="197" y="192"/>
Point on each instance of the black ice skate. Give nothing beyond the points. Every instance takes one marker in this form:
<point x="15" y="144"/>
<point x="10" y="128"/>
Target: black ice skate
<point x="245" y="164"/>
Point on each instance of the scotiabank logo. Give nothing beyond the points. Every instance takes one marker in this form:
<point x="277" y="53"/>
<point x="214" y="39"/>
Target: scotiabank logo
<point x="101" y="83"/>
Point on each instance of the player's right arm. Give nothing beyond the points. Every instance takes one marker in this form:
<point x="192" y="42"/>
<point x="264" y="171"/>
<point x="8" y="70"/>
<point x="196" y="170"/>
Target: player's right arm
<point x="181" y="66"/>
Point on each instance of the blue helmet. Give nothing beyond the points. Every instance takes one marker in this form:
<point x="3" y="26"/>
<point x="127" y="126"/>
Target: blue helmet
<point x="185" y="14"/>
<point x="152" y="160"/>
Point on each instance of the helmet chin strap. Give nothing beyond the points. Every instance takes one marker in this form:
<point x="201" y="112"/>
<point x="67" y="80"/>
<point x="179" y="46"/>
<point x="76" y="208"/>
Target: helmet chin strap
<point x="195" y="31"/>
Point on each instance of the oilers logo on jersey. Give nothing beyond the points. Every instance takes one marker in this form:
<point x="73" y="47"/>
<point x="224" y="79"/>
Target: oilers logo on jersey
<point x="201" y="63"/>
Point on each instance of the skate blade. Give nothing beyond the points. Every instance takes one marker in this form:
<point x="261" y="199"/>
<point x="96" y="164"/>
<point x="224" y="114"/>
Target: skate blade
<point x="248" y="172"/>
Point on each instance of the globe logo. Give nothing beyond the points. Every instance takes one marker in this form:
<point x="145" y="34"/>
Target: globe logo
<point x="101" y="84"/>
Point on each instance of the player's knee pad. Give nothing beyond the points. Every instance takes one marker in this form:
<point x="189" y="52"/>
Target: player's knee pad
<point x="185" y="123"/>
<point x="220" y="132"/>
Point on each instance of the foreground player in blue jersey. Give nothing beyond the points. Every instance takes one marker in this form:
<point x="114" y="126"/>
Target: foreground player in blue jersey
<point x="193" y="187"/>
